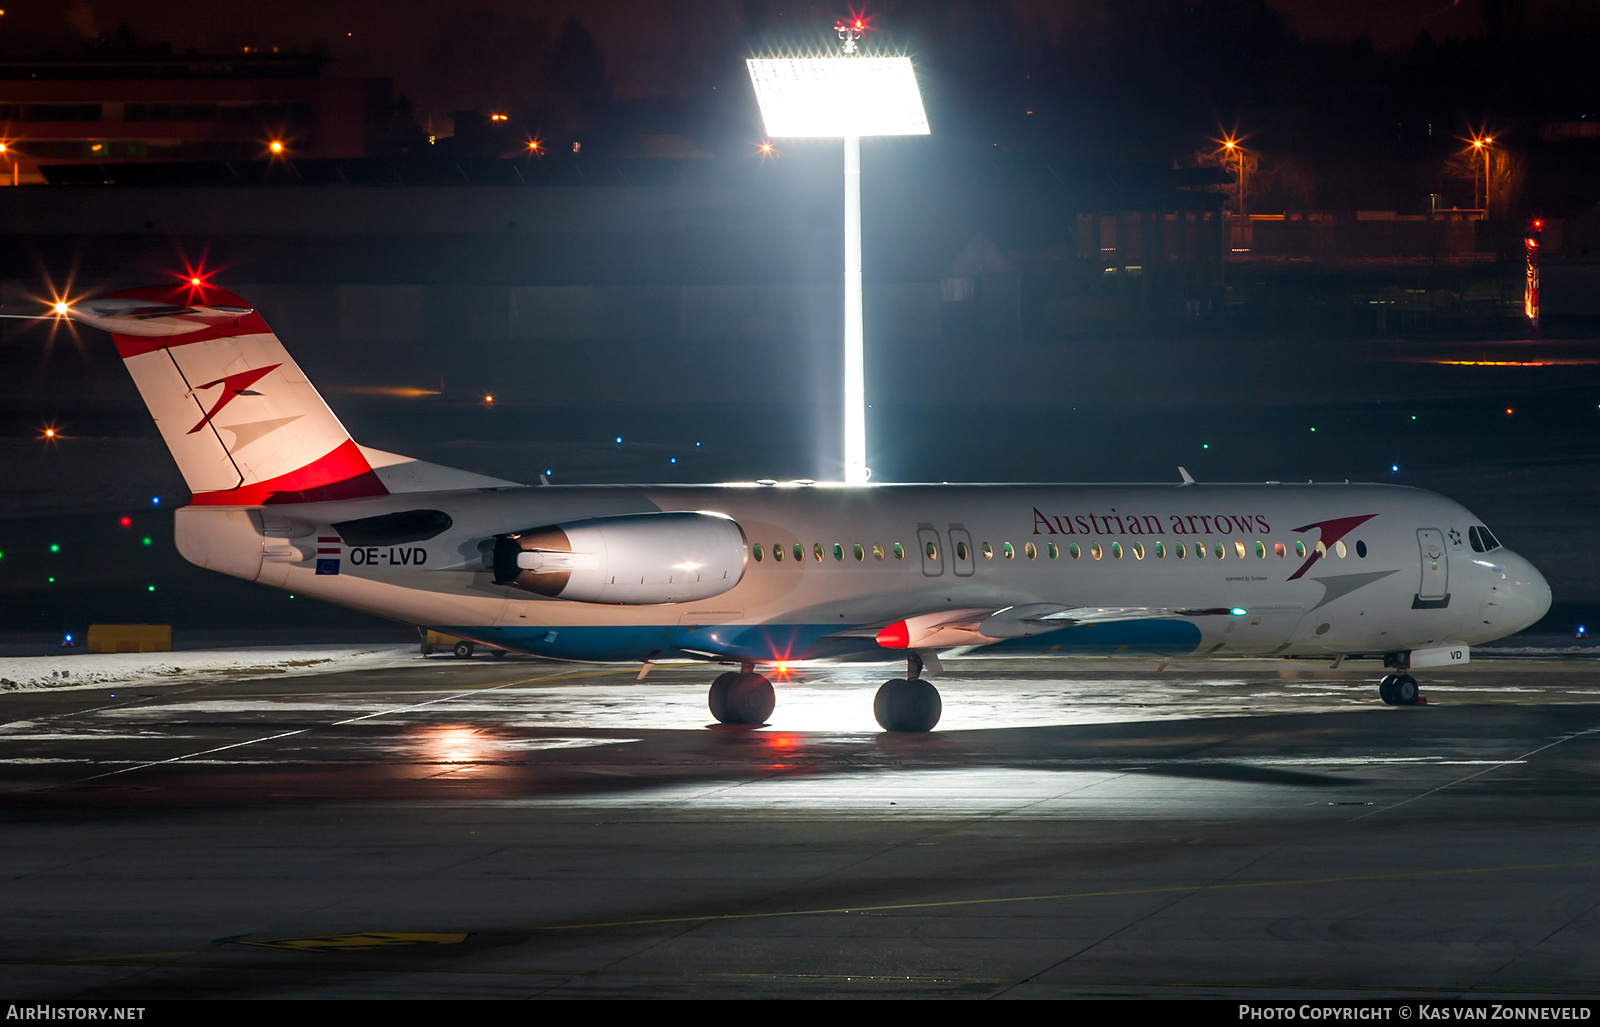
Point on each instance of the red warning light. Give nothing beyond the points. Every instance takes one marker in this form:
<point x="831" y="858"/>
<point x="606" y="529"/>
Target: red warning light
<point x="126" y="522"/>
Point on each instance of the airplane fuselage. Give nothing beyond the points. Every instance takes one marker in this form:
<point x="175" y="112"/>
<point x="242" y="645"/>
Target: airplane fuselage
<point x="1284" y="569"/>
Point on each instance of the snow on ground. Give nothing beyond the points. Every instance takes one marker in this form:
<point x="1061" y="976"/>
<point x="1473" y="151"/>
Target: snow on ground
<point x="84" y="670"/>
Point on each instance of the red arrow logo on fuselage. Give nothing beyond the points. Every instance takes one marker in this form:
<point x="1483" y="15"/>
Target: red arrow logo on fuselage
<point x="1332" y="531"/>
<point x="233" y="385"/>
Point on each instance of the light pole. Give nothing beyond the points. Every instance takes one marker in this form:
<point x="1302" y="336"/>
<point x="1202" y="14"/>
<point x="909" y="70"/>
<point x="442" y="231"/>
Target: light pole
<point x="1482" y="145"/>
<point x="843" y="97"/>
<point x="1237" y="153"/>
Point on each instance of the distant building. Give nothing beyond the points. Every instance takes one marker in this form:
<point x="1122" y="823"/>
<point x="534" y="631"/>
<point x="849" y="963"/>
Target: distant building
<point x="153" y="105"/>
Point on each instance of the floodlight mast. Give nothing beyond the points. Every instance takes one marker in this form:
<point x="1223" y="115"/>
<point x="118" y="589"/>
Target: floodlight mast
<point x="843" y="97"/>
<point x="856" y="471"/>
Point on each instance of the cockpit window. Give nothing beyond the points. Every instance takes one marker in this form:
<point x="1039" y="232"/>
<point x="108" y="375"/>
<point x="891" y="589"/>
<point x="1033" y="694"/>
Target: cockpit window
<point x="1482" y="539"/>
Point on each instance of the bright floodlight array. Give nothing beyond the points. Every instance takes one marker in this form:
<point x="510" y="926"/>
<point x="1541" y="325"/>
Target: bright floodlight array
<point x="838" y="96"/>
<point x="849" y="97"/>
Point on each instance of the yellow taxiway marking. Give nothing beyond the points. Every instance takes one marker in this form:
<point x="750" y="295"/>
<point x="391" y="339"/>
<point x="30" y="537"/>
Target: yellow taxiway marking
<point x="367" y="940"/>
<point x="1062" y="896"/>
<point x="359" y="942"/>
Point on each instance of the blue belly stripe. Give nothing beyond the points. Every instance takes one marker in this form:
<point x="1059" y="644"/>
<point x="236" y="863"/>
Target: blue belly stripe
<point x="765" y="643"/>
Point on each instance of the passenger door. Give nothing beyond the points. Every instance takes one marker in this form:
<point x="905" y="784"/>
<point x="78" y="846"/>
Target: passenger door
<point x="1434" y="587"/>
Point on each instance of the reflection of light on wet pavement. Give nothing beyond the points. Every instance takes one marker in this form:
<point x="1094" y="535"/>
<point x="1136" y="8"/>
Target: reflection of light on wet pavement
<point x="453" y="744"/>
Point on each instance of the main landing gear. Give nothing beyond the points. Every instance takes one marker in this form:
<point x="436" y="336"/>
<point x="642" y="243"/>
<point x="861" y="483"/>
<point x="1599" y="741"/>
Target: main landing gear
<point x="742" y="698"/>
<point x="909" y="703"/>
<point x="1398" y="689"/>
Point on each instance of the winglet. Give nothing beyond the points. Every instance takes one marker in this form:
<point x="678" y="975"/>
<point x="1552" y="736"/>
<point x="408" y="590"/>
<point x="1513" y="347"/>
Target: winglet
<point x="1188" y="479"/>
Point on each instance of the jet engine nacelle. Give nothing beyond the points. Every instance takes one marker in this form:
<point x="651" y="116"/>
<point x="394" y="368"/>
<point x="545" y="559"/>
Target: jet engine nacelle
<point x="630" y="560"/>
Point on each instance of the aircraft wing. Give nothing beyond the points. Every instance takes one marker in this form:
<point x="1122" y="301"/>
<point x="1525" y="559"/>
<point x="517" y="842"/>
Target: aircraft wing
<point x="981" y="626"/>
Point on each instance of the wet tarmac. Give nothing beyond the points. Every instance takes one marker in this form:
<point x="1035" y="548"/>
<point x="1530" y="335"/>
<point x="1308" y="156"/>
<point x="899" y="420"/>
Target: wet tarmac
<point x="517" y="828"/>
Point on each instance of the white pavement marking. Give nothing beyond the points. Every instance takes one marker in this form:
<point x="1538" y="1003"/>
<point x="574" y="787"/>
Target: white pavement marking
<point x="1502" y="763"/>
<point x="337" y="723"/>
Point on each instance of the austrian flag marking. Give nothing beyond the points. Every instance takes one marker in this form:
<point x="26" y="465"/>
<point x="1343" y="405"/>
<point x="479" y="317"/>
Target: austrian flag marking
<point x="328" y="552"/>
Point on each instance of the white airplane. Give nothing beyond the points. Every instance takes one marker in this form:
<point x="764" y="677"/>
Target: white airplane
<point x="757" y="574"/>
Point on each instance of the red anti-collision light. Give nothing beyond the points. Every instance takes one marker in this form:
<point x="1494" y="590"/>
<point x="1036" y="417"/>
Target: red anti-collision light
<point x="895" y="636"/>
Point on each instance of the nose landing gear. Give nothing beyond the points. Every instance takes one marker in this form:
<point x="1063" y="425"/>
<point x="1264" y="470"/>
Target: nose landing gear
<point x="1398" y="690"/>
<point x="909" y="703"/>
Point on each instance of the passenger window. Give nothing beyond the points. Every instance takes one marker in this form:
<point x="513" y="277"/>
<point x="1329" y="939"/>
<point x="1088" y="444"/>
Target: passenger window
<point x="1361" y="549"/>
<point x="1138" y="550"/>
<point x="1160" y="549"/>
<point x="777" y="553"/>
<point x="1050" y="547"/>
<point x="1322" y="550"/>
<point x="1299" y="548"/>
<point x="1199" y="550"/>
<point x="899" y="551"/>
<point x="1338" y="547"/>
<point x="1182" y="550"/>
<point x="988" y="551"/>
<point x="1095" y="551"/>
<point x="932" y="551"/>
<point x="1238" y="548"/>
<point x="1073" y="550"/>
<point x="799" y="551"/>
<point x="1031" y="549"/>
<point x="1277" y="547"/>
<point x="755" y="551"/>
<point x="877" y="550"/>
<point x="1007" y="551"/>
<point x="858" y="551"/>
<point x="816" y="552"/>
<point x="1261" y="550"/>
<point x="1221" y="550"/>
<point x="1116" y="550"/>
<point x="838" y="551"/>
<point x="961" y="551"/>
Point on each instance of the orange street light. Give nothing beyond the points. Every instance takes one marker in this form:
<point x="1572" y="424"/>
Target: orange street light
<point x="1231" y="147"/>
<point x="1482" y="145"/>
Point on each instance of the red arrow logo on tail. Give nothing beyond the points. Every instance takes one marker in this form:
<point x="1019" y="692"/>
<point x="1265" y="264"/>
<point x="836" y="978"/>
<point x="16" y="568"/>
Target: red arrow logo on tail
<point x="233" y="385"/>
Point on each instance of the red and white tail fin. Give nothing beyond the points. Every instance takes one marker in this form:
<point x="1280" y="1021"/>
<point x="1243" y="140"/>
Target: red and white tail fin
<point x="239" y="416"/>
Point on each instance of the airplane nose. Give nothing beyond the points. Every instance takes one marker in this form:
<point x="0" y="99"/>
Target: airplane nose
<point x="1525" y="595"/>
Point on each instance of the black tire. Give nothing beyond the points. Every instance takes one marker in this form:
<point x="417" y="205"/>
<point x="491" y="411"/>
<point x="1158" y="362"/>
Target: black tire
<point x="1386" y="688"/>
<point x="741" y="698"/>
<point x="1405" y="690"/>
<point x="427" y="650"/>
<point x="463" y="649"/>
<point x="909" y="706"/>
